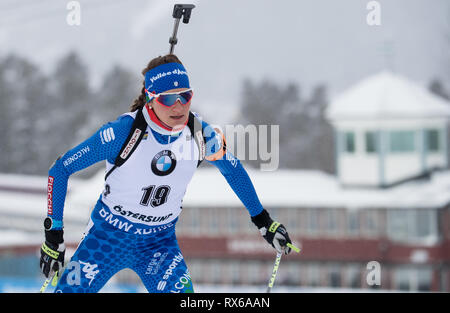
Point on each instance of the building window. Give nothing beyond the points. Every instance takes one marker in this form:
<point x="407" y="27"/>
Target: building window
<point x="402" y="141"/>
<point x="216" y="271"/>
<point x="204" y="220"/>
<point x="194" y="225"/>
<point x="352" y="222"/>
<point x="233" y="221"/>
<point x="293" y="220"/>
<point x="334" y="276"/>
<point x="432" y="140"/>
<point x="349" y="142"/>
<point x="332" y="222"/>
<point x="313" y="275"/>
<point x="371" y="224"/>
<point x="413" y="225"/>
<point x="303" y="220"/>
<point x="412" y="279"/>
<point x="424" y="278"/>
<point x="293" y="277"/>
<point x="235" y="273"/>
<point x="213" y="221"/>
<point x="371" y="141"/>
<point x="195" y="270"/>
<point x="254" y="272"/>
<point x="202" y="274"/>
<point x="423" y="224"/>
<point x="313" y="221"/>
<point x="402" y="279"/>
<point x="353" y="276"/>
<point x="398" y="224"/>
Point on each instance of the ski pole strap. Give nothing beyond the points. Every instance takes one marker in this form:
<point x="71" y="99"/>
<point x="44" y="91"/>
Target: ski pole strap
<point x="50" y="252"/>
<point x="293" y="247"/>
<point x="55" y="279"/>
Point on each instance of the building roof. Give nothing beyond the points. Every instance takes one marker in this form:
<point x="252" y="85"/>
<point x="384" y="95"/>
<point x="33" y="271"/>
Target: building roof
<point x="294" y="188"/>
<point x="387" y="95"/>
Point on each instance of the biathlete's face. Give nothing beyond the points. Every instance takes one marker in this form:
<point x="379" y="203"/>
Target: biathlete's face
<point x="176" y="114"/>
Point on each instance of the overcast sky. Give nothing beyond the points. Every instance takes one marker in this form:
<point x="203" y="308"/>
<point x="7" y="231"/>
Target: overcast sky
<point x="302" y="41"/>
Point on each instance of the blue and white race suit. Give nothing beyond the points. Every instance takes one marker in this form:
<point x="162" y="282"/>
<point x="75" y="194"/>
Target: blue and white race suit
<point x="133" y="222"/>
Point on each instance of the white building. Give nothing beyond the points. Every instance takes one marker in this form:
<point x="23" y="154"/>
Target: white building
<point x="388" y="130"/>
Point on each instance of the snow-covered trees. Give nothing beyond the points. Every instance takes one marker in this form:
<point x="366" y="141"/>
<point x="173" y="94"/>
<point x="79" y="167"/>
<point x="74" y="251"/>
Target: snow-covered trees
<point x="306" y="138"/>
<point x="42" y="116"/>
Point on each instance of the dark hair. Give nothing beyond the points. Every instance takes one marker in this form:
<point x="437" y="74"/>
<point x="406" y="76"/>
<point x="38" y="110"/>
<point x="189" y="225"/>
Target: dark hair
<point x="140" y="101"/>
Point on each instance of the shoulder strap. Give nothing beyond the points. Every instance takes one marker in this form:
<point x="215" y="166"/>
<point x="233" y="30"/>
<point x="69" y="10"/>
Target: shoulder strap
<point x="134" y="138"/>
<point x="195" y="126"/>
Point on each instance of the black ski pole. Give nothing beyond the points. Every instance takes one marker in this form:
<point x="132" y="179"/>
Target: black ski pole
<point x="179" y="11"/>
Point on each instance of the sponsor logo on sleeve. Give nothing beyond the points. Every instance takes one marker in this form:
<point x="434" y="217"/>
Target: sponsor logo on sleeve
<point x="231" y="159"/>
<point x="107" y="135"/>
<point x="51" y="179"/>
<point x="77" y="155"/>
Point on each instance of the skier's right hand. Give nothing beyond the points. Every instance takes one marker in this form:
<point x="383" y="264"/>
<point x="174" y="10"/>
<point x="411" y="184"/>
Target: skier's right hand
<point x="52" y="252"/>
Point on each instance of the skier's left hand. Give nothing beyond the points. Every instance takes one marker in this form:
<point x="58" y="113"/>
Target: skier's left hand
<point x="274" y="232"/>
<point x="52" y="252"/>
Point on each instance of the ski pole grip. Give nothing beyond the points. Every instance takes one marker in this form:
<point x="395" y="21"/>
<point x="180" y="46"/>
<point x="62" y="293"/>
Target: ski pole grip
<point x="293" y="247"/>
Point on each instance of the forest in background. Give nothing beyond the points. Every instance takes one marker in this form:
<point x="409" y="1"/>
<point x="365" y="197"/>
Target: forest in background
<point x="44" y="115"/>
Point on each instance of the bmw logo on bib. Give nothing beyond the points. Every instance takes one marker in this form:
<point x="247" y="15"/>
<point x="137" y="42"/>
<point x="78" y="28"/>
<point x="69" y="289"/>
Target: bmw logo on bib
<point x="164" y="163"/>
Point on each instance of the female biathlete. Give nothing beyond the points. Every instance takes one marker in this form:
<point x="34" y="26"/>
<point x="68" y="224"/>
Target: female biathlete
<point x="151" y="154"/>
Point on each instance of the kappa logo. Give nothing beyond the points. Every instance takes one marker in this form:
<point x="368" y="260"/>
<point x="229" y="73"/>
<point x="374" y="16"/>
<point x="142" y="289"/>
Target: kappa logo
<point x="90" y="271"/>
<point x="107" y="135"/>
